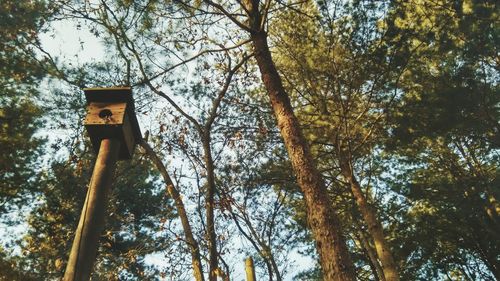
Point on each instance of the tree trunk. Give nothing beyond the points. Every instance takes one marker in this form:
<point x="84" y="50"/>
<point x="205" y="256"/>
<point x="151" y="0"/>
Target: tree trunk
<point x="209" y="207"/>
<point x="372" y="256"/>
<point x="273" y="263"/>
<point x="263" y="250"/>
<point x="487" y="254"/>
<point x="375" y="229"/>
<point x="322" y="218"/>
<point x="179" y="205"/>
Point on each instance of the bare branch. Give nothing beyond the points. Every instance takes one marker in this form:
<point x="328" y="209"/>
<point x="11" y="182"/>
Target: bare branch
<point x="229" y="15"/>
<point x="181" y="210"/>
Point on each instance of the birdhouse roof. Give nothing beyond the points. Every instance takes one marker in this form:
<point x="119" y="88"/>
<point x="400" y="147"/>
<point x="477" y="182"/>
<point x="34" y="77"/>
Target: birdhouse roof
<point x="112" y="94"/>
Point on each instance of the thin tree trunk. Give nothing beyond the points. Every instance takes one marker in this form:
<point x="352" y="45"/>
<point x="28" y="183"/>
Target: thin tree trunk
<point x="258" y="245"/>
<point x="374" y="226"/>
<point x="174" y="194"/>
<point x="273" y="262"/>
<point x="488" y="255"/>
<point x="265" y="252"/>
<point x="372" y="256"/>
<point x="209" y="207"/>
<point x="322" y="218"/>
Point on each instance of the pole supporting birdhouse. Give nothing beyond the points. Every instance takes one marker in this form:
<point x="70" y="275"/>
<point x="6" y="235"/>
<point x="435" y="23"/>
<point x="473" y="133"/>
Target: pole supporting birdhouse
<point x="114" y="131"/>
<point x="250" y="269"/>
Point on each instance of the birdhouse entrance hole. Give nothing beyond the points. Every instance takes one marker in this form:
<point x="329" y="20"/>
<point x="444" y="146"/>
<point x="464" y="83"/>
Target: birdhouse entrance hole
<point x="110" y="115"/>
<point x="105" y="113"/>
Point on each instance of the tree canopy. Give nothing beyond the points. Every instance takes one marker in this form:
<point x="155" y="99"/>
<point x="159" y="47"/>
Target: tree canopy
<point x="328" y="140"/>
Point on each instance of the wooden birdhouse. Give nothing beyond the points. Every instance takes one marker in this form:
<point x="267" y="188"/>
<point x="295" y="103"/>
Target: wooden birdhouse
<point x="111" y="115"/>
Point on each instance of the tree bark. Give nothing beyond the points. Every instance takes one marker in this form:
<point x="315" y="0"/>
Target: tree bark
<point x="209" y="207"/>
<point x="372" y="257"/>
<point x="181" y="210"/>
<point x="375" y="229"/>
<point x="322" y="218"/>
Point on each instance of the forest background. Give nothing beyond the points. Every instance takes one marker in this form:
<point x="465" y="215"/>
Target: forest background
<point x="361" y="135"/>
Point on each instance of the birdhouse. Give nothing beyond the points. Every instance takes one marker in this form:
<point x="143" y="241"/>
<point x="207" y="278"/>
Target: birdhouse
<point x="111" y="115"/>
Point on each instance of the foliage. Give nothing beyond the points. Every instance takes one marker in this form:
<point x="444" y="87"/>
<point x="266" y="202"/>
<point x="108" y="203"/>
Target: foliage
<point x="19" y="112"/>
<point x="445" y="130"/>
<point x="137" y="207"/>
<point x="405" y="92"/>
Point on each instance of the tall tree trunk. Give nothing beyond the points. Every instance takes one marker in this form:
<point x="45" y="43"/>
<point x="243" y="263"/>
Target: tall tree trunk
<point x="209" y="206"/>
<point x="179" y="205"/>
<point x="375" y="229"/>
<point x="322" y="218"/>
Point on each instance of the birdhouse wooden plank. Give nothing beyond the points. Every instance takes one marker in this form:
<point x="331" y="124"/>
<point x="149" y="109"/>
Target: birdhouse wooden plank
<point x="110" y="115"/>
<point x="105" y="113"/>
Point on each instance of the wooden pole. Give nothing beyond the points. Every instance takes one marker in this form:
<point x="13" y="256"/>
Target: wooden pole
<point x="83" y="251"/>
<point x="249" y="268"/>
